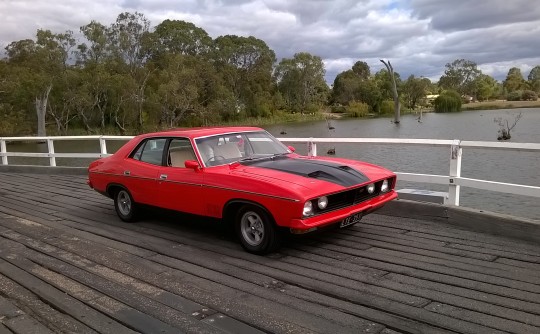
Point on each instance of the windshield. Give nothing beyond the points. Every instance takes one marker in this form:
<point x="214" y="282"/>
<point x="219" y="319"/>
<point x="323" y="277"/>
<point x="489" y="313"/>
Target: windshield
<point x="231" y="147"/>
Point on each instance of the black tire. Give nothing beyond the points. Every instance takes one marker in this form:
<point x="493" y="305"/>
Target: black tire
<point x="125" y="206"/>
<point x="256" y="230"/>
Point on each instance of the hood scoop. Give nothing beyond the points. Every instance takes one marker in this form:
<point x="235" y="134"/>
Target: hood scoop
<point x="315" y="169"/>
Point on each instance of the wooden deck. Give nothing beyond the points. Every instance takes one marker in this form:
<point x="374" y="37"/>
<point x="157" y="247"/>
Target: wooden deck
<point x="69" y="265"/>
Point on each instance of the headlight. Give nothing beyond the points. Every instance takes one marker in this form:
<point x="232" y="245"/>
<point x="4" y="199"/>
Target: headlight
<point x="371" y="188"/>
<point x="322" y="203"/>
<point x="308" y="209"/>
<point x="384" y="186"/>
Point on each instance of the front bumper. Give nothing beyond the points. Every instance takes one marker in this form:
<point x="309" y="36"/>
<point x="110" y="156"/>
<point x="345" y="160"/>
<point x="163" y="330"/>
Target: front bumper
<point x="337" y="216"/>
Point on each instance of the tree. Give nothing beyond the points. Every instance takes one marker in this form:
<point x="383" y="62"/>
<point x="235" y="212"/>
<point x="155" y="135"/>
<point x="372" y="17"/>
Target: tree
<point x="505" y="127"/>
<point x="460" y="76"/>
<point x="397" y="104"/>
<point x="42" y="64"/>
<point x="361" y="69"/>
<point x="447" y="101"/>
<point x="97" y="47"/>
<point x="131" y="44"/>
<point x="301" y="82"/>
<point x="181" y="37"/>
<point x="514" y="80"/>
<point x="246" y="65"/>
<point x="414" y="90"/>
<point x="345" y="87"/>
<point x="486" y="87"/>
<point x="534" y="79"/>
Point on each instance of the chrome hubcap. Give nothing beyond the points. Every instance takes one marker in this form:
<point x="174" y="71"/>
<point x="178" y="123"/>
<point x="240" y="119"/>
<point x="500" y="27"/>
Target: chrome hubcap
<point x="252" y="228"/>
<point x="124" y="203"/>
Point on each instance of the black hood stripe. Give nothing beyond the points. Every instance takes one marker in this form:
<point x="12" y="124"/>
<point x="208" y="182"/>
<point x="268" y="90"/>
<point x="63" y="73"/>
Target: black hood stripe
<point x="312" y="168"/>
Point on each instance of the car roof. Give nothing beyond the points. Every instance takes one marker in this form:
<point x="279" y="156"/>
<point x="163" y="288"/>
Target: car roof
<point x="200" y="131"/>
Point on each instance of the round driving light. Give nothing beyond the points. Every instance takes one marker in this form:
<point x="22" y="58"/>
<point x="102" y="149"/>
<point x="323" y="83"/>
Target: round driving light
<point x="322" y="203"/>
<point x="371" y="188"/>
<point x="384" y="186"/>
<point x="308" y="209"/>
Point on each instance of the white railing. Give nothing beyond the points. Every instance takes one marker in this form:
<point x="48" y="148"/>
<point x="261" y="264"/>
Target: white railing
<point x="51" y="154"/>
<point x="453" y="180"/>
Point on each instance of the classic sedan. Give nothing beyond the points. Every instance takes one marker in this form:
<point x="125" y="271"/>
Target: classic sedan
<point x="242" y="175"/>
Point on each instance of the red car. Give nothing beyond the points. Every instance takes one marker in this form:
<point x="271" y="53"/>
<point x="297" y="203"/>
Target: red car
<point x="242" y="175"/>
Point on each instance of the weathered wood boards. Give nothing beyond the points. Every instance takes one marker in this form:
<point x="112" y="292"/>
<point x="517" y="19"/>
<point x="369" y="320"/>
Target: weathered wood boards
<point x="68" y="264"/>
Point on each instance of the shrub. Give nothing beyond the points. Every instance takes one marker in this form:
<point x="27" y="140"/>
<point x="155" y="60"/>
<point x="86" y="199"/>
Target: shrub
<point x="387" y="107"/>
<point x="358" y="109"/>
<point x="514" y="96"/>
<point x="338" y="109"/>
<point x="529" y="95"/>
<point x="447" y="101"/>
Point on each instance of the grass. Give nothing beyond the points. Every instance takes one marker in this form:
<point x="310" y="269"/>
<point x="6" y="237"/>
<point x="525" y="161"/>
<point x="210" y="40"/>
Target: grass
<point x="500" y="104"/>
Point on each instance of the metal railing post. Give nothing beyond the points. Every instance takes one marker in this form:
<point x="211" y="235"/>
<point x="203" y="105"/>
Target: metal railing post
<point x="311" y="148"/>
<point x="103" y="145"/>
<point x="455" y="172"/>
<point x="3" y="149"/>
<point x="52" y="158"/>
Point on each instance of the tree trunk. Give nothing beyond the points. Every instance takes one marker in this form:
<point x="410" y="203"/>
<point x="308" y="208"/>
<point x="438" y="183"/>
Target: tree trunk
<point x="41" y="110"/>
<point x="397" y="104"/>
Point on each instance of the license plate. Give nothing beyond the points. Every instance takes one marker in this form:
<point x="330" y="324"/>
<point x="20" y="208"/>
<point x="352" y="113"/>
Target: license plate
<point x="351" y="220"/>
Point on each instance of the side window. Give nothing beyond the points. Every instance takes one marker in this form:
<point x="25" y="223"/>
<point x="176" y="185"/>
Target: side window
<point x="180" y="150"/>
<point x="151" y="151"/>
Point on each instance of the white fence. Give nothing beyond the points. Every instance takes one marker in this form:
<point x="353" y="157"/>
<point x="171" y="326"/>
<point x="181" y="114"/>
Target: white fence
<point x="453" y="180"/>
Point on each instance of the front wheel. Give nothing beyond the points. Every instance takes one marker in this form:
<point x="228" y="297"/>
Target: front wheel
<point x="124" y="205"/>
<point x="256" y="229"/>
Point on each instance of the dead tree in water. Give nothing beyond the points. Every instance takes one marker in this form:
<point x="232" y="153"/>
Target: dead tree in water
<point x="397" y="104"/>
<point x="505" y="127"/>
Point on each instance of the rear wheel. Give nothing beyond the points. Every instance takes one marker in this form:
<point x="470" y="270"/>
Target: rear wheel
<point x="256" y="229"/>
<point x="124" y="205"/>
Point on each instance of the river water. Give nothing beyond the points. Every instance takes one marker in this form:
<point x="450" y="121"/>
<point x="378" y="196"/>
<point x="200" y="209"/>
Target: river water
<point x="493" y="165"/>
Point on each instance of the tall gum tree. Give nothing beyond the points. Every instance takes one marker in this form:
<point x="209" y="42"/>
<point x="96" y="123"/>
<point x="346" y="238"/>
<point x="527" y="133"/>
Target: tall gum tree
<point x="460" y="75"/>
<point x="301" y="82"/>
<point x="246" y="64"/>
<point x="42" y="63"/>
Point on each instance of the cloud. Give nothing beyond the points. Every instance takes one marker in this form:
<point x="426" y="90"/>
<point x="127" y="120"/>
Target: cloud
<point x="418" y="36"/>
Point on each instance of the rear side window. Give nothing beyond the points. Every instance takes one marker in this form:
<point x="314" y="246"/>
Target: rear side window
<point x="150" y="151"/>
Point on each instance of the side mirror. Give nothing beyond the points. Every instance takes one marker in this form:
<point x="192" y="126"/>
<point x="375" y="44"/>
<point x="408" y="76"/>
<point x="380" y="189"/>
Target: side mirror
<point x="291" y="148"/>
<point x="192" y="164"/>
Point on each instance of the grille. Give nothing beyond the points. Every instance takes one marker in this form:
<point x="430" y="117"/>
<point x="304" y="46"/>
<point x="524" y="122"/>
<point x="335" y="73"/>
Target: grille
<point x="350" y="197"/>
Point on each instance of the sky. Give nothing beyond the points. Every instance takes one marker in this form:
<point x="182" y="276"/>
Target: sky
<point x="418" y="36"/>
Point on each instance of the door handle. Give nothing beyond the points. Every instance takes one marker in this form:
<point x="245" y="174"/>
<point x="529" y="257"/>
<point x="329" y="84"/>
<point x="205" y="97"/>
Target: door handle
<point x="163" y="177"/>
<point x="127" y="172"/>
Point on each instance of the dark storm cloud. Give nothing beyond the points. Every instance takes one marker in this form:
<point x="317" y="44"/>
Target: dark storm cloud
<point x="418" y="36"/>
<point x="470" y="14"/>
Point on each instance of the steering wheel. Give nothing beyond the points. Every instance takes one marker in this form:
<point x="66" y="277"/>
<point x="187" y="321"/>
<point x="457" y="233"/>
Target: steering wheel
<point x="214" y="158"/>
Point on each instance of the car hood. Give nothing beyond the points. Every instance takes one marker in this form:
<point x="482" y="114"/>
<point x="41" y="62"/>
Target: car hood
<point x="326" y="175"/>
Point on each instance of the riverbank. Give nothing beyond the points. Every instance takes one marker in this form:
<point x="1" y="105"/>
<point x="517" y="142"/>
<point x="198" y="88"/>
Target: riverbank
<point x="500" y="104"/>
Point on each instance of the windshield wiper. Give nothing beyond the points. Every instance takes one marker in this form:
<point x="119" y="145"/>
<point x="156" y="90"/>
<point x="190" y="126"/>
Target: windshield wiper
<point x="272" y="156"/>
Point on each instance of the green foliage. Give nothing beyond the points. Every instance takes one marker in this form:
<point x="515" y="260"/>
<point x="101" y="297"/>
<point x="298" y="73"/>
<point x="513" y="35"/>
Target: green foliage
<point x="486" y="87"/>
<point x="383" y="80"/>
<point x="460" y="76"/>
<point x="529" y="95"/>
<point x="358" y="109"/>
<point x="514" y="96"/>
<point x="301" y="82"/>
<point x="414" y="90"/>
<point x="387" y="107"/>
<point x="447" y="101"/>
<point x="534" y="79"/>
<point x="514" y="80"/>
<point x="525" y="95"/>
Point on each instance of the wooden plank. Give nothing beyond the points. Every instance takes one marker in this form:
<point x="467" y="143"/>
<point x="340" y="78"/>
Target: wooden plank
<point x="387" y="274"/>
